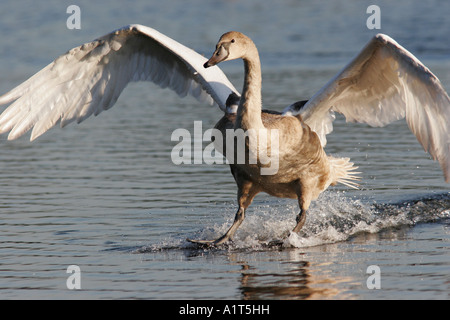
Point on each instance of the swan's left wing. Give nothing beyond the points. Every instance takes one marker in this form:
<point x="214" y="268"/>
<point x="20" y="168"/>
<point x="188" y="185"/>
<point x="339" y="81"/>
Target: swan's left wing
<point x="384" y="83"/>
<point x="89" y="79"/>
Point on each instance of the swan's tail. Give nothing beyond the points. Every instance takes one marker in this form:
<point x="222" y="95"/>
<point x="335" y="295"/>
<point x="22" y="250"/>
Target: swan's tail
<point x="343" y="171"/>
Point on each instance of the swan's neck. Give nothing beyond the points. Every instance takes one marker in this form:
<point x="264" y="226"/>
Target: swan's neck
<point x="249" y="110"/>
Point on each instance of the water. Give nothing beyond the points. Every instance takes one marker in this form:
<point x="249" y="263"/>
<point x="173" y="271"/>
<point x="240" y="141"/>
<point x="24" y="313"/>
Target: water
<point x="104" y="195"/>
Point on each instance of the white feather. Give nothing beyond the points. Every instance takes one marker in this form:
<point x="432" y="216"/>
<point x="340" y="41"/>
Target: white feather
<point x="89" y="79"/>
<point x="382" y="84"/>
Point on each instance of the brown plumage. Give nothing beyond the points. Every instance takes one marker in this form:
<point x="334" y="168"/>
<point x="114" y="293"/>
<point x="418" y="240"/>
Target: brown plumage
<point x="303" y="168"/>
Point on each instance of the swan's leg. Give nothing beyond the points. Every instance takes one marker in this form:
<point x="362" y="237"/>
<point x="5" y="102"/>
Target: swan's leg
<point x="240" y="215"/>
<point x="301" y="218"/>
<point x="304" y="200"/>
<point x="246" y="192"/>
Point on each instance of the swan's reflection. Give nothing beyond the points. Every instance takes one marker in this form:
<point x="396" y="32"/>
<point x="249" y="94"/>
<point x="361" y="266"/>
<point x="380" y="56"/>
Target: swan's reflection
<point x="294" y="278"/>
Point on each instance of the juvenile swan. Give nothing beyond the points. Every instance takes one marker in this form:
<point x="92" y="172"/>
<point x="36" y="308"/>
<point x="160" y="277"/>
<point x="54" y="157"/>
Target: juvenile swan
<point x="383" y="83"/>
<point x="304" y="170"/>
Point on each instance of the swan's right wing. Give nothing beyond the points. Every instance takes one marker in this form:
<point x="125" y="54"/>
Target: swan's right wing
<point x="89" y="79"/>
<point x="382" y="84"/>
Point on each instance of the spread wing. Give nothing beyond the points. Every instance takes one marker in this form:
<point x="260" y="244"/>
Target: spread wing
<point x="89" y="79"/>
<point x="382" y="84"/>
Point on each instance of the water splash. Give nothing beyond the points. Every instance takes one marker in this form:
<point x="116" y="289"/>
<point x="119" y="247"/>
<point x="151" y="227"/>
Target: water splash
<point x="334" y="217"/>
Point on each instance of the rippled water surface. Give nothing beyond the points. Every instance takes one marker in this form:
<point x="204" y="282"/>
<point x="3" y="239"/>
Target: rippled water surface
<point x="105" y="196"/>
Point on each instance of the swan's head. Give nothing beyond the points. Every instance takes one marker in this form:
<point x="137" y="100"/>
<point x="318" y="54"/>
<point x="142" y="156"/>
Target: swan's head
<point x="232" y="45"/>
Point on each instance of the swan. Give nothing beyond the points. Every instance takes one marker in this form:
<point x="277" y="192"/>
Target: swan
<point x="383" y="83"/>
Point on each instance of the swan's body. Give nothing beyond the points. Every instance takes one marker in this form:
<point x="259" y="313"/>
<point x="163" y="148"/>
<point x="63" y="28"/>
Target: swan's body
<point x="383" y="83"/>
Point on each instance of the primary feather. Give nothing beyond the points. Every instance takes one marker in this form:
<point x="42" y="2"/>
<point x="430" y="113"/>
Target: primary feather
<point x="382" y="84"/>
<point x="89" y="79"/>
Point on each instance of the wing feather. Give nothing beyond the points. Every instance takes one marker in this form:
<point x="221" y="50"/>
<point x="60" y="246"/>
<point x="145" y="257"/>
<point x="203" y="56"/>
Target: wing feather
<point x="90" y="78"/>
<point x="382" y="84"/>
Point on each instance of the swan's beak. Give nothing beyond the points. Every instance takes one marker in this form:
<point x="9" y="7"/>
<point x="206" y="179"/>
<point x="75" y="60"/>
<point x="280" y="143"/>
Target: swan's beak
<point x="218" y="56"/>
<point x="209" y="63"/>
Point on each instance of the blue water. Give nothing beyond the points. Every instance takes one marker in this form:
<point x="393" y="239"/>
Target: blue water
<point x="104" y="195"/>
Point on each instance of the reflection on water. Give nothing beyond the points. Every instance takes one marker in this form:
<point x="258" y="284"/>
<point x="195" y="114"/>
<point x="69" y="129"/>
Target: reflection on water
<point x="104" y="194"/>
<point x="248" y="269"/>
<point x="339" y="270"/>
<point x="294" y="282"/>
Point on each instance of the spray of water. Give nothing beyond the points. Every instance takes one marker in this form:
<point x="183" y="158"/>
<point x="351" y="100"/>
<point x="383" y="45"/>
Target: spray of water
<point x="333" y="218"/>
